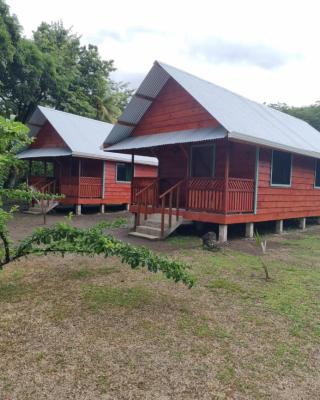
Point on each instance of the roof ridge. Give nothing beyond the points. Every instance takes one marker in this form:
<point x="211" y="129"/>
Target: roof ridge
<point x="75" y="115"/>
<point x="230" y="91"/>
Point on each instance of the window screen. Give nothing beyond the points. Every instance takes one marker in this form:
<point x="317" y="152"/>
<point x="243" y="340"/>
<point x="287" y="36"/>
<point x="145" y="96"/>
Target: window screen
<point x="202" y="161"/>
<point x="317" y="174"/>
<point x="124" y="173"/>
<point x="281" y="168"/>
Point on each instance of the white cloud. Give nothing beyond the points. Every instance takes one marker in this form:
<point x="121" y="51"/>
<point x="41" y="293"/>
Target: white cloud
<point x="266" y="50"/>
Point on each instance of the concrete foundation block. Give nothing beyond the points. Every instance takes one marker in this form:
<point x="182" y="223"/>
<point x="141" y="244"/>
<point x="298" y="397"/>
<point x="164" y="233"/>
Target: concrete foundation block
<point x="102" y="208"/>
<point x="279" y="226"/>
<point x="302" y="223"/>
<point x="223" y="233"/>
<point x="249" y="229"/>
<point x="78" y="209"/>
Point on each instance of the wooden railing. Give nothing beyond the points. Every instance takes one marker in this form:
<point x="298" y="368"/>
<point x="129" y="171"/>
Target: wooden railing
<point x="241" y="195"/>
<point x="138" y="184"/>
<point x="90" y="187"/>
<point x="173" y="195"/>
<point x="43" y="184"/>
<point x="212" y="195"/>
<point x="87" y="187"/>
<point x="147" y="197"/>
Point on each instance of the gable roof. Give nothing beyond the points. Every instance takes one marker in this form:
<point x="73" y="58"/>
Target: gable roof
<point x="243" y="119"/>
<point x="83" y="136"/>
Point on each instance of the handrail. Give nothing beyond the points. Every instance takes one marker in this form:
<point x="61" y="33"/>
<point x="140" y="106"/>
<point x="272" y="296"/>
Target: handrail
<point x="147" y="187"/>
<point x="163" y="197"/>
<point x="48" y="185"/>
<point x="139" y="199"/>
<point x="172" y="188"/>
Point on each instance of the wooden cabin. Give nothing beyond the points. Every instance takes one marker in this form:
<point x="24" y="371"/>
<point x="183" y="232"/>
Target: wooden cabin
<point x="65" y="157"/>
<point x="223" y="159"/>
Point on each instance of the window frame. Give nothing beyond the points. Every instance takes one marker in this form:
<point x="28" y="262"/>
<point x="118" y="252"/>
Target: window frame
<point x="315" y="173"/>
<point x="123" y="163"/>
<point x="271" y="171"/>
<point x="213" y="145"/>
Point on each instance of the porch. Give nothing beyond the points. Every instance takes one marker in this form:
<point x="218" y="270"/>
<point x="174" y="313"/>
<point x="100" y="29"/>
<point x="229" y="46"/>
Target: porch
<point x="217" y="185"/>
<point x="81" y="181"/>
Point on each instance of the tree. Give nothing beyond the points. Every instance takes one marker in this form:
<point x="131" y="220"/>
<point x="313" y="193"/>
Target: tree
<point x="13" y="137"/>
<point x="310" y="114"/>
<point x="54" y="69"/>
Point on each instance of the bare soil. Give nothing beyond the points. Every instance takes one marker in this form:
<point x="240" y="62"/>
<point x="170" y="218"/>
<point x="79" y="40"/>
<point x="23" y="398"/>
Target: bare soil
<point x="91" y="328"/>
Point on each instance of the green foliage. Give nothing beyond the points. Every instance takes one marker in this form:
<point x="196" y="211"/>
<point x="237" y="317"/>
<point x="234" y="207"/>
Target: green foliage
<point x="63" y="238"/>
<point x="310" y="114"/>
<point x="13" y="137"/>
<point x="53" y="69"/>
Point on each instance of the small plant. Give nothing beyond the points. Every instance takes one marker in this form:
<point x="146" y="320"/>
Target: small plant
<point x="263" y="245"/>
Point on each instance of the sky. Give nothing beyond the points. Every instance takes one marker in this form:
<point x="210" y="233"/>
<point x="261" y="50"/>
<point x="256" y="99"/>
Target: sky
<point x="267" y="51"/>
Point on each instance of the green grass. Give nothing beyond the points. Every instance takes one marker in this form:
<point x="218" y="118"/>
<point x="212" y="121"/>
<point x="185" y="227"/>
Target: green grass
<point x="225" y="284"/>
<point x="102" y="296"/>
<point x="12" y="288"/>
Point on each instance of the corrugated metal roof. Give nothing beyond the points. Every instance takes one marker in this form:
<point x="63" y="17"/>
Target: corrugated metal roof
<point x="161" y="139"/>
<point x="244" y="119"/>
<point x="83" y="136"/>
<point x="45" y="152"/>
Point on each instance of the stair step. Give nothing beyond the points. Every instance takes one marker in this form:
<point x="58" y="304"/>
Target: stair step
<point x="149" y="230"/>
<point x="144" y="236"/>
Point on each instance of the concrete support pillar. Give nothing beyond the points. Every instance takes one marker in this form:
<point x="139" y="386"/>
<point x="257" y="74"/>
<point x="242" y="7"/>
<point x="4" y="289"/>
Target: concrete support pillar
<point x="127" y="207"/>
<point x="102" y="208"/>
<point x="249" y="230"/>
<point x="78" y="209"/>
<point x="223" y="233"/>
<point x="302" y="223"/>
<point x="279" y="226"/>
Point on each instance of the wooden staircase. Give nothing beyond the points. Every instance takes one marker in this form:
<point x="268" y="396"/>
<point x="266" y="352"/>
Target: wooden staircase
<point x="38" y="208"/>
<point x="151" y="227"/>
<point x="154" y="225"/>
<point x="43" y="206"/>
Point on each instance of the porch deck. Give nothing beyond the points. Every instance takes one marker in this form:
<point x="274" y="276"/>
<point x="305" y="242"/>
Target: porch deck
<point x="73" y="188"/>
<point x="202" y="199"/>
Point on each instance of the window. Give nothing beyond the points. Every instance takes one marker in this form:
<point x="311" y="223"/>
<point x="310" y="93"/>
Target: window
<point x="317" y="174"/>
<point x="124" y="172"/>
<point x="281" y="168"/>
<point x="202" y="160"/>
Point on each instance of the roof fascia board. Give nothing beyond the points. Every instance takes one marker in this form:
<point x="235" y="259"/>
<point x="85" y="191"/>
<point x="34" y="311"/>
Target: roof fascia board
<point x="110" y="158"/>
<point x="236" y="136"/>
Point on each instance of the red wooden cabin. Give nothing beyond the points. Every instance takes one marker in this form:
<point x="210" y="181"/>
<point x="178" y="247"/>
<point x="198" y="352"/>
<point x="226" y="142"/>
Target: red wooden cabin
<point x="66" y="158"/>
<point x="222" y="158"/>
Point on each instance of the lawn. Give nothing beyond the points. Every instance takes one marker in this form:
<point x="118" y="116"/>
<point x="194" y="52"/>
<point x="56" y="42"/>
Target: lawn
<point x="91" y="328"/>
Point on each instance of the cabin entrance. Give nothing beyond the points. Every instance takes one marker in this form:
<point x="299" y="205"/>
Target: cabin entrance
<point x="202" y="161"/>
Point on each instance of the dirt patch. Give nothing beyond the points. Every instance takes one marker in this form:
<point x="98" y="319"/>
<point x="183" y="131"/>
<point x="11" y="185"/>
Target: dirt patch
<point x="91" y="328"/>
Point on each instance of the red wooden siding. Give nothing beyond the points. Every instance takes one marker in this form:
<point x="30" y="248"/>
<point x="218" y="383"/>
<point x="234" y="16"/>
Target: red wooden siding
<point x="301" y="197"/>
<point x="173" y="110"/>
<point x="120" y="192"/>
<point x="47" y="137"/>
<point x="141" y="170"/>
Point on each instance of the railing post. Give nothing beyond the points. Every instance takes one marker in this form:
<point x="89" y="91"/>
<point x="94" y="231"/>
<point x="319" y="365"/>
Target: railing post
<point x="177" y="203"/>
<point x="226" y="180"/>
<point x="162" y="216"/>
<point x="170" y="209"/>
<point x="145" y="204"/>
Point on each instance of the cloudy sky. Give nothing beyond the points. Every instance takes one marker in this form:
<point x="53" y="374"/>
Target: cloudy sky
<point x="267" y="50"/>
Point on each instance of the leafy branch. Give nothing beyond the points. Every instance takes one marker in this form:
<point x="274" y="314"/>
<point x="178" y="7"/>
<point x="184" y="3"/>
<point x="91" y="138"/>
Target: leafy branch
<point x="63" y="238"/>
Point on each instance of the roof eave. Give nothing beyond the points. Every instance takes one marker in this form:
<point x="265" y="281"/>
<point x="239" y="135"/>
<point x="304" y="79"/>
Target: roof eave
<point x="236" y="136"/>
